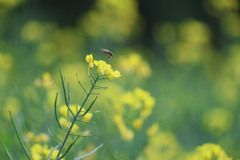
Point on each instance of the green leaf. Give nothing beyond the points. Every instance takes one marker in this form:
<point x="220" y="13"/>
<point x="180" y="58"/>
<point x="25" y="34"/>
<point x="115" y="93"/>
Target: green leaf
<point x="19" y="137"/>
<point x="5" y="149"/>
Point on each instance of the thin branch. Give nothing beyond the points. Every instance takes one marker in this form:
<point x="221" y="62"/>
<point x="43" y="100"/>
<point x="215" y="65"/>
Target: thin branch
<point x="87" y="122"/>
<point x="70" y="146"/>
<point x="89" y="75"/>
<point x="90" y="153"/>
<point x="100" y="87"/>
<point x="51" y="135"/>
<point x="95" y="93"/>
<point x="81" y="84"/>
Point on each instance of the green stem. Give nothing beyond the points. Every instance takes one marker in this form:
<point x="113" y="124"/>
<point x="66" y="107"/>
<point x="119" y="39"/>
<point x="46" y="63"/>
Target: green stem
<point x="75" y="118"/>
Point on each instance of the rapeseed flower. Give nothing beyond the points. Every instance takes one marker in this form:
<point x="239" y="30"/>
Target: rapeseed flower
<point x="104" y="70"/>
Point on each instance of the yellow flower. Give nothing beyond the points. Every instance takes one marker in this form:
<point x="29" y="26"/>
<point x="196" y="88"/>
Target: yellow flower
<point x="114" y="74"/>
<point x="39" y="152"/>
<point x="64" y="110"/>
<point x="87" y="117"/>
<point x="106" y="70"/>
<point x="42" y="138"/>
<point x="89" y="59"/>
<point x="137" y="124"/>
<point x="152" y="130"/>
<point x="63" y="121"/>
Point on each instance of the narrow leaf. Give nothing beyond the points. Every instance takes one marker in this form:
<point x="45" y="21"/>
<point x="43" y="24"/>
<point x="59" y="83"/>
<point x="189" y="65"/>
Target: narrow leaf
<point x="55" y="109"/>
<point x="70" y="146"/>
<point x="19" y="137"/>
<point x="5" y="149"/>
<point x="89" y="107"/>
<point x="90" y="153"/>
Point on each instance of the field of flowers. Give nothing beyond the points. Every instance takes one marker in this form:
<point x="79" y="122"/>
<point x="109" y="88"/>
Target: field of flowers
<point x="170" y="91"/>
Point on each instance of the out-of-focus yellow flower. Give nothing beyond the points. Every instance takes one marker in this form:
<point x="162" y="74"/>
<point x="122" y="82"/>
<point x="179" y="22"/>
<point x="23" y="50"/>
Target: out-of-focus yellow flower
<point x="162" y="145"/>
<point x="134" y="64"/>
<point x="45" y="82"/>
<point x="209" y="151"/>
<point x="63" y="121"/>
<point x="137" y="124"/>
<point x="30" y="136"/>
<point x="42" y="138"/>
<point x="218" y="120"/>
<point x="33" y="31"/>
<point x="87" y="117"/>
<point x="64" y="112"/>
<point x="12" y="104"/>
<point x="39" y="152"/>
<point x="126" y="133"/>
<point x="152" y="130"/>
<point x="89" y="59"/>
<point x="106" y="17"/>
<point x="6" y="61"/>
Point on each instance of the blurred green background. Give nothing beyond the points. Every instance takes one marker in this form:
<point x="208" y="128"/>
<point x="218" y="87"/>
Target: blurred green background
<point x="180" y="66"/>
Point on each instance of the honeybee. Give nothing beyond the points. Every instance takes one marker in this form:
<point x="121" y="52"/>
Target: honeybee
<point x="108" y="53"/>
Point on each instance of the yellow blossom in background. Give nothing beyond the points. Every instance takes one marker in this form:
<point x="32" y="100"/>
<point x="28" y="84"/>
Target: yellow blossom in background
<point x="87" y="117"/>
<point x="29" y="136"/>
<point x="33" y="31"/>
<point x="162" y="145"/>
<point x="208" y="151"/>
<point x="126" y="133"/>
<point x="6" y="61"/>
<point x="152" y="130"/>
<point x="64" y="112"/>
<point x="63" y="121"/>
<point x="134" y="64"/>
<point x="137" y="124"/>
<point x="217" y="120"/>
<point x="134" y="108"/>
<point x="11" y="104"/>
<point x="42" y="137"/>
<point x="39" y="152"/>
<point x="192" y="46"/>
<point x="106" y="17"/>
<point x="46" y="81"/>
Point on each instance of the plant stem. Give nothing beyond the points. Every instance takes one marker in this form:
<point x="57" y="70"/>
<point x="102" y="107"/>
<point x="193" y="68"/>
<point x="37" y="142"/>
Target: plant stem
<point x="75" y="118"/>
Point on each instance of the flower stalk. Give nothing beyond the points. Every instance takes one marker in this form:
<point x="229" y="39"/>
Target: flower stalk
<point x="75" y="117"/>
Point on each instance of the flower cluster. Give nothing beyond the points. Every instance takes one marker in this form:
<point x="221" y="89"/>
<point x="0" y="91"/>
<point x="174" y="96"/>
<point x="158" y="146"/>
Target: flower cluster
<point x="31" y="137"/>
<point x="103" y="69"/>
<point x="138" y="105"/>
<point x="209" y="151"/>
<point x="39" y="152"/>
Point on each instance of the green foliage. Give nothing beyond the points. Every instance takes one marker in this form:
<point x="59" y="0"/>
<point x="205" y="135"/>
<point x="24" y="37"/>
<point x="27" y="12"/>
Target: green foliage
<point x="177" y="98"/>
